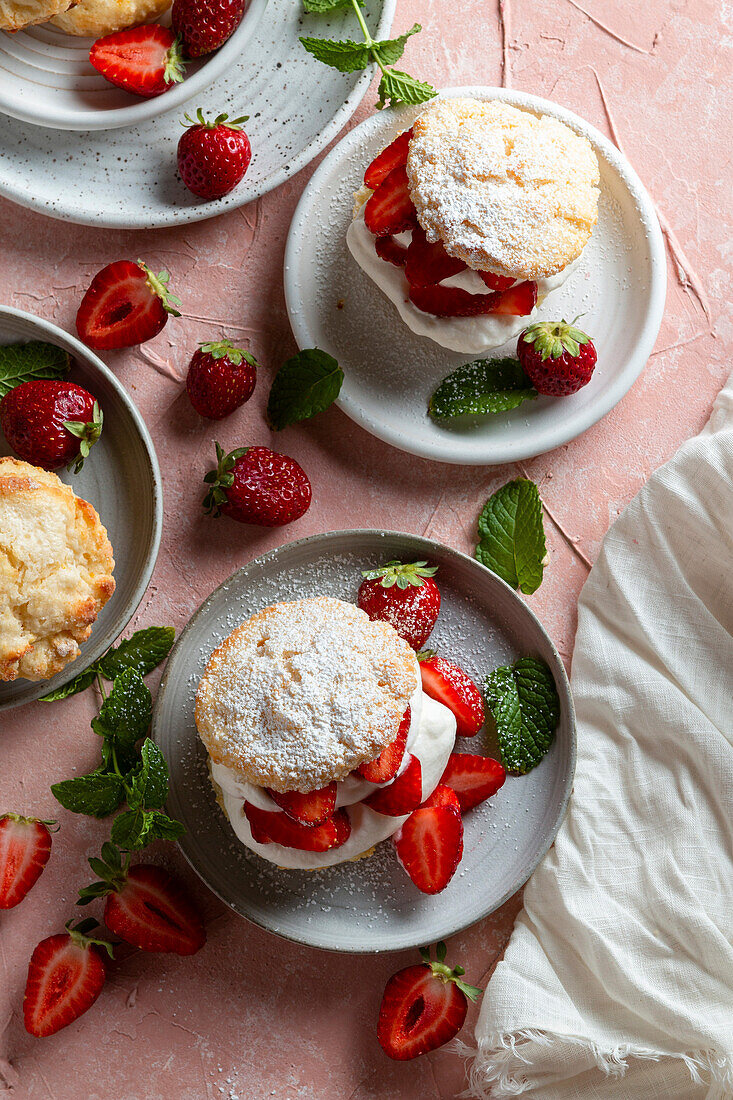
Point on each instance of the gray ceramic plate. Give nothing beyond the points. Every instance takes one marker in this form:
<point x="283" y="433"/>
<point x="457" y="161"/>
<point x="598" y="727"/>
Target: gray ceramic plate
<point x="370" y="905"/>
<point x="120" y="478"/>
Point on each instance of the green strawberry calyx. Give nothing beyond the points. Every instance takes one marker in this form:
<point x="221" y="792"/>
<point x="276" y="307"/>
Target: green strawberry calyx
<point x="397" y="573"/>
<point x="221" y="479"/>
<point x="218" y="120"/>
<point x="552" y="338"/>
<point x="78" y="934"/>
<point x="159" y="286"/>
<point x="444" y="973"/>
<point x="175" y="66"/>
<point x="225" y="349"/>
<point x="87" y="432"/>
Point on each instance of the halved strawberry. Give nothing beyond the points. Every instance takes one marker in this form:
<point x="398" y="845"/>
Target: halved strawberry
<point x="144" y="60"/>
<point x="126" y="304"/>
<point x="430" y="843"/>
<point x="390" y="158"/>
<point x="518" y="301"/>
<point x="387" y="763"/>
<point x="496" y="282"/>
<point x="65" y="976"/>
<point x="387" y="248"/>
<point x="450" y="685"/>
<point x="25" y="845"/>
<point x="390" y="208"/>
<point x="451" y="301"/>
<point x="443" y="795"/>
<point x="281" y="829"/>
<point x="401" y="797"/>
<point x="428" y="263"/>
<point x="423" y="1006"/>
<point x="146" y="906"/>
<point x="473" y="778"/>
<point x="309" y="809"/>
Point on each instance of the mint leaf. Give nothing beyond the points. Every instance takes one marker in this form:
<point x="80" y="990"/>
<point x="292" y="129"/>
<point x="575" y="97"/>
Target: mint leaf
<point x="79" y="683"/>
<point x="396" y="87"/>
<point x="143" y="651"/>
<point x="124" y="718"/>
<point x="162" y="827"/>
<point x="97" y="795"/>
<point x="137" y="828"/>
<point x="390" y="50"/>
<point x="319" y="6"/>
<point x="305" y="385"/>
<point x="482" y="387"/>
<point x="525" y="705"/>
<point x="346" y="56"/>
<point x="148" y="783"/>
<point x="28" y="362"/>
<point x="512" y="542"/>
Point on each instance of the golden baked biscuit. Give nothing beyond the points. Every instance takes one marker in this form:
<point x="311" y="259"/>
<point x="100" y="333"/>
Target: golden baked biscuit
<point x="55" y="571"/>
<point x="17" y="14"/>
<point x="95" y="18"/>
<point x="504" y="190"/>
<point x="304" y="692"/>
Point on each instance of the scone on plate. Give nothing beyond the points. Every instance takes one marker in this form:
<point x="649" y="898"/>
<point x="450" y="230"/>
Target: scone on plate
<point x="320" y="739"/>
<point x="96" y="18"/>
<point x="468" y="220"/>
<point x="17" y="14"/>
<point x="55" y="571"/>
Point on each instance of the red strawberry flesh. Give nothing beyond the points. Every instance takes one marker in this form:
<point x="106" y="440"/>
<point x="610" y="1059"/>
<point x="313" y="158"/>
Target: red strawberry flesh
<point x="144" y="60"/>
<point x="387" y="248"/>
<point x="312" y="808"/>
<point x="151" y="910"/>
<point x="390" y="209"/>
<point x="25" y="845"/>
<point x="125" y="305"/>
<point x="390" y="158"/>
<point x="386" y="765"/>
<point x="430" y="844"/>
<point x="427" y="263"/>
<point x="422" y="1008"/>
<point x="473" y="778"/>
<point x="450" y="685"/>
<point x="496" y="282"/>
<point x="281" y="829"/>
<point x="64" y="980"/>
<point x="402" y="796"/>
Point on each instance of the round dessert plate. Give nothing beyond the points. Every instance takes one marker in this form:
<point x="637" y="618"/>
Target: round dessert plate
<point x="46" y="78"/>
<point x="127" y="178"/>
<point x="120" y="479"/>
<point x="370" y="904"/>
<point x="618" y="287"/>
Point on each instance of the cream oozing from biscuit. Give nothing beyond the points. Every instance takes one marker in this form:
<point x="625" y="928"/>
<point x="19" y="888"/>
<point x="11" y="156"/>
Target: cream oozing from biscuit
<point x="431" y="739"/>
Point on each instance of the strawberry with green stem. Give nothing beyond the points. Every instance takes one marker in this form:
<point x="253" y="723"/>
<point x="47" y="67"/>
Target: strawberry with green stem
<point x="66" y="974"/>
<point x="404" y="595"/>
<point x="25" y="846"/>
<point x="558" y="358"/>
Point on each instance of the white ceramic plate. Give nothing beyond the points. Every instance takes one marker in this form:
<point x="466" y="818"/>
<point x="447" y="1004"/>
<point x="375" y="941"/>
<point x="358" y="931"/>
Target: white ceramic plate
<point x="369" y="905"/>
<point x="128" y="179"/>
<point x="120" y="478"/>
<point x="619" y="288"/>
<point x="46" y="78"/>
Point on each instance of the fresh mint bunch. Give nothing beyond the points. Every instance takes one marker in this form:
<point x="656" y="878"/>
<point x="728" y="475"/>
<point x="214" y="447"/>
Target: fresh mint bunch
<point x="143" y="651"/>
<point x="480" y="388"/>
<point x="305" y="385"/>
<point x="349" y="56"/>
<point x="524" y="702"/>
<point x="512" y="535"/>
<point x="31" y="362"/>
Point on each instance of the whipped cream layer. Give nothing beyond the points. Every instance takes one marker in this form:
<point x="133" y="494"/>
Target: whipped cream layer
<point x="431" y="738"/>
<point x="473" y="335"/>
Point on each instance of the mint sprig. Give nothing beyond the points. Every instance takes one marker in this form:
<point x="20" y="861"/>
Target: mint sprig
<point x="512" y="535"/>
<point x="348" y="56"/>
<point x="31" y="362"/>
<point x="526" y="708"/>
<point x="486" y="386"/>
<point x="305" y="385"/>
<point x="143" y="651"/>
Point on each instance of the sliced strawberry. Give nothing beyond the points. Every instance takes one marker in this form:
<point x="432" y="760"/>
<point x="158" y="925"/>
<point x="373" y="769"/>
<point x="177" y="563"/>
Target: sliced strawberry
<point x="496" y="282"/>
<point x="450" y="685"/>
<point x="430" y="843"/>
<point x="386" y="765"/>
<point x="443" y="796"/>
<point x="281" y="829"/>
<point x="451" y="301"/>
<point x="423" y="1007"/>
<point x="389" y="159"/>
<point x="25" y="845"/>
<point x="518" y="301"/>
<point x="390" y="208"/>
<point x="401" y="797"/>
<point x="65" y="976"/>
<point x="144" y="60"/>
<point x="387" y="248"/>
<point x="428" y="263"/>
<point x="309" y="809"/>
<point x="151" y="910"/>
<point x="125" y="304"/>
<point x="473" y="778"/>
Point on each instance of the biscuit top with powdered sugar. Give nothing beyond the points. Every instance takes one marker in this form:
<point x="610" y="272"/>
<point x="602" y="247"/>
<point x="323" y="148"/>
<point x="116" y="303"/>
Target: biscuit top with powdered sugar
<point x="304" y="692"/>
<point x="503" y="189"/>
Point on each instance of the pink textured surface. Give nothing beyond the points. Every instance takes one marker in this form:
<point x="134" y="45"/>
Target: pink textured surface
<point x="251" y="1017"/>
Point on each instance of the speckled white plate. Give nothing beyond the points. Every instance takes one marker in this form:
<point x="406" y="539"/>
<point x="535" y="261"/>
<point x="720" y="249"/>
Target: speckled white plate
<point x="369" y="905"/>
<point x="128" y="179"/>
<point x="619" y="288"/>
<point x="46" y="78"/>
<point x="120" y="478"/>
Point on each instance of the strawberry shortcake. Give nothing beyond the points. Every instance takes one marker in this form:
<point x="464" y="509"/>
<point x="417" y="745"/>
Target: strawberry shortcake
<point x="320" y="738"/>
<point x="470" y="218"/>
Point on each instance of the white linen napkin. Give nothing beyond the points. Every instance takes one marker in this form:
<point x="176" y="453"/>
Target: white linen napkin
<point x="617" y="983"/>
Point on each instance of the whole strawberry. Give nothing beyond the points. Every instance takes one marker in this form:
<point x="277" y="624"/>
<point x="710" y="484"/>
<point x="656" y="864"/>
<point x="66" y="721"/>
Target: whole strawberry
<point x="405" y="596"/>
<point x="213" y="156"/>
<point x="557" y="358"/>
<point x="51" y="424"/>
<point x="220" y="379"/>
<point x="204" y="25"/>
<point x="257" y="485"/>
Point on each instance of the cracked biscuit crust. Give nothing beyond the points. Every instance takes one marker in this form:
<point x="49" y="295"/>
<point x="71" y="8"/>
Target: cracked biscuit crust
<point x="503" y="189"/>
<point x="55" y="571"/>
<point x="96" y="18"/>
<point x="17" y="14"/>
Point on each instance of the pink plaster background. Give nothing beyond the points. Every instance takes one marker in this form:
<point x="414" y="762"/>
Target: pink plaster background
<point x="250" y="1016"/>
